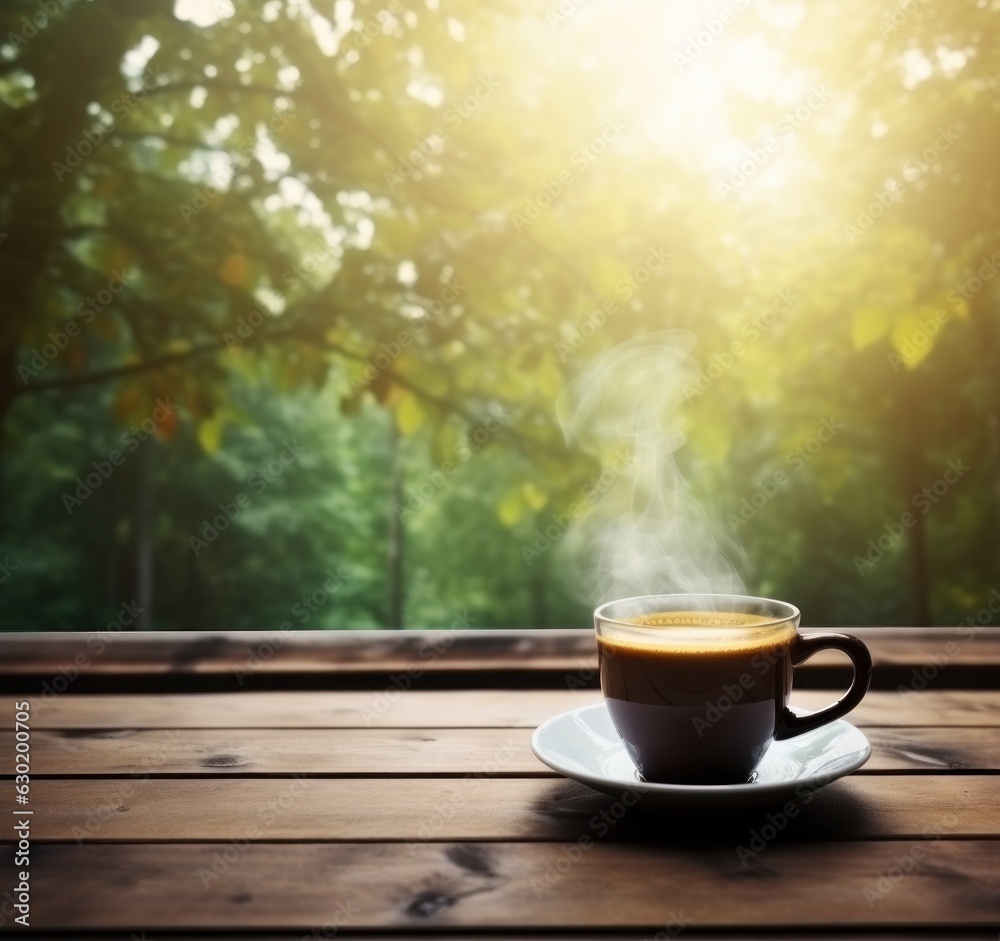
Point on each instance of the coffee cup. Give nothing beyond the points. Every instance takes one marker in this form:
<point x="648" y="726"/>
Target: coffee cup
<point x="697" y="686"/>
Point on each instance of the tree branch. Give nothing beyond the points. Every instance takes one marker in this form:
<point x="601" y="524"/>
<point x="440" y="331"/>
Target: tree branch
<point x="116" y="372"/>
<point x="190" y="143"/>
<point x="523" y="441"/>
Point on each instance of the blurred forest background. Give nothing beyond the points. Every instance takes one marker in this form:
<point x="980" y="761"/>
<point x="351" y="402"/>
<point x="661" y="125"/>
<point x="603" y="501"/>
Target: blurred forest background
<point x="290" y="289"/>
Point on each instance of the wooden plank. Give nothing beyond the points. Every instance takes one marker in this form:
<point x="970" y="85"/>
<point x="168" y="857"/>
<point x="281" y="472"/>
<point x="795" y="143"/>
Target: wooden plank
<point x="514" y="934"/>
<point x="296" y="651"/>
<point x="250" y="752"/>
<point x="431" y="886"/>
<point x="387" y="708"/>
<point x="387" y="752"/>
<point x="429" y="651"/>
<point x="420" y="709"/>
<point x="479" y="808"/>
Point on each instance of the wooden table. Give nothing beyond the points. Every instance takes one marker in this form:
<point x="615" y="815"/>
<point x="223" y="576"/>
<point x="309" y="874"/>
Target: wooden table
<point x="311" y="785"/>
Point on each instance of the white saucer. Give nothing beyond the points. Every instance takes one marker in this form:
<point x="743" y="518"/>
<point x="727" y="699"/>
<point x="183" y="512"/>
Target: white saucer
<point x="583" y="744"/>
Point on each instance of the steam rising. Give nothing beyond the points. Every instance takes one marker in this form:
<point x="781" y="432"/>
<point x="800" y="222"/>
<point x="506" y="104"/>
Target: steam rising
<point x="647" y="534"/>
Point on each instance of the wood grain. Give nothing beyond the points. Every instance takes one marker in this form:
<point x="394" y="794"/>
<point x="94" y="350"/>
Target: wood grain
<point x="296" y="651"/>
<point x="420" y="709"/>
<point x="312" y="652"/>
<point x="482" y="808"/>
<point x="249" y="752"/>
<point x="393" y="752"/>
<point x="352" y="887"/>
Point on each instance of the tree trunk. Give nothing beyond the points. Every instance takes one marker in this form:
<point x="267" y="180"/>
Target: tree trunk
<point x="911" y="477"/>
<point x="538" y="584"/>
<point x="31" y="207"/>
<point x="143" y="545"/>
<point x="986" y="338"/>
<point x="395" y="556"/>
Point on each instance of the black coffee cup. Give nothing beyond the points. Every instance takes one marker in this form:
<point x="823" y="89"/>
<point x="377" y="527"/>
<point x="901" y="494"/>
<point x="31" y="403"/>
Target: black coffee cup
<point x="697" y="686"/>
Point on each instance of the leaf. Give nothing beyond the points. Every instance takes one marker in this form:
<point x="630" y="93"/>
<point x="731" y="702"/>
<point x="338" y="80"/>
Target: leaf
<point x="410" y="417"/>
<point x="166" y="424"/>
<point x="210" y="433"/>
<point x="533" y="496"/>
<point x="869" y="325"/>
<point x="234" y="270"/>
<point x="913" y="339"/>
<point x="511" y="508"/>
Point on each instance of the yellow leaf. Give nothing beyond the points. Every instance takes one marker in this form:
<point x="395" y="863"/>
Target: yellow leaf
<point x="409" y="415"/>
<point x="713" y="439"/>
<point x="233" y="271"/>
<point x="511" y="508"/>
<point x="912" y="340"/>
<point x="210" y="434"/>
<point x="534" y="497"/>
<point x="961" y="308"/>
<point x="869" y="325"/>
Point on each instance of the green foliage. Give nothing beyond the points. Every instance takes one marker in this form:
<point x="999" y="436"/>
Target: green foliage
<point x="394" y="237"/>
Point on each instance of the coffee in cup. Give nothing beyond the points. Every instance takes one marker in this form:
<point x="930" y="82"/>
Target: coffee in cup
<point x="697" y="686"/>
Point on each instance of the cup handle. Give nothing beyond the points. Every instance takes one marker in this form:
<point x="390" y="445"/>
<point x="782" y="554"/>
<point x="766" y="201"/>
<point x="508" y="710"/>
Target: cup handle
<point x="803" y="647"/>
